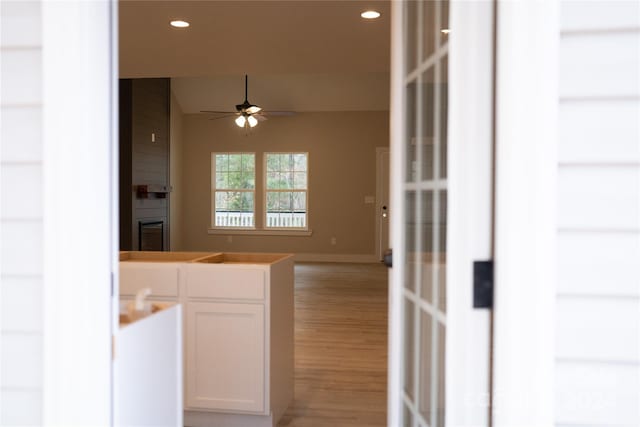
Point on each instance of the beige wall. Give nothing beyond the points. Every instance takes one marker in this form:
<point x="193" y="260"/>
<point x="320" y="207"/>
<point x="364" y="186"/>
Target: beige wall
<point x="175" y="176"/>
<point x="342" y="171"/>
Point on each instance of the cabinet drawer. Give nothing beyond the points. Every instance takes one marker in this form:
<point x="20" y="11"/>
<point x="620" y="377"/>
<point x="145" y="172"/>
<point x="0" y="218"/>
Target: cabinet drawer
<point x="205" y="281"/>
<point x="162" y="278"/>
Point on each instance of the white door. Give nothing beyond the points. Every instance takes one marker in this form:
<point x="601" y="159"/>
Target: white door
<point x="442" y="142"/>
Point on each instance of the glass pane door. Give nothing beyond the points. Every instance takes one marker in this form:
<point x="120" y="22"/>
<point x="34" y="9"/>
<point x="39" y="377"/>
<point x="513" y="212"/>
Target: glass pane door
<point x="424" y="192"/>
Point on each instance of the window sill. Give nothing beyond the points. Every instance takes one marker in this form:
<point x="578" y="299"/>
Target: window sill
<point x="259" y="232"/>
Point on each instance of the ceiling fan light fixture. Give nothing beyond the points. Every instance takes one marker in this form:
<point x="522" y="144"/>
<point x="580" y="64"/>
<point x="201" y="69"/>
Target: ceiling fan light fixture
<point x="240" y="121"/>
<point x="253" y="109"/>
<point x="252" y="121"/>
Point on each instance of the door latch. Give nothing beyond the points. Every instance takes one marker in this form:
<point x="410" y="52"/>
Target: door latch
<point x="483" y="284"/>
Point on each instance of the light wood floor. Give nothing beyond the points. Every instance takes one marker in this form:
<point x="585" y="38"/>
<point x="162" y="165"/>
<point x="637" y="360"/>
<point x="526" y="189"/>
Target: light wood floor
<point x="340" y="345"/>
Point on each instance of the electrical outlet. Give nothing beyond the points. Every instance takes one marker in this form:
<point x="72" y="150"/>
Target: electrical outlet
<point x="333" y="240"/>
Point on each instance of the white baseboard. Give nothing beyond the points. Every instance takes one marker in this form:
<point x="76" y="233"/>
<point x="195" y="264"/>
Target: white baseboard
<point x="355" y="258"/>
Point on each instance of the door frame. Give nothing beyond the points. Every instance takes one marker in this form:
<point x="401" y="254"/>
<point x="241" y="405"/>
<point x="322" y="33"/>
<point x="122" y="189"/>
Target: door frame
<point x="80" y="70"/>
<point x="526" y="226"/>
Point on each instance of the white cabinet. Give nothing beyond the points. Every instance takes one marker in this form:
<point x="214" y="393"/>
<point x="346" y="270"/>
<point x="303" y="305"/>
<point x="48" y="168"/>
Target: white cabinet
<point x="225" y="366"/>
<point x="238" y="330"/>
<point x="161" y="278"/>
<point x="147" y="370"/>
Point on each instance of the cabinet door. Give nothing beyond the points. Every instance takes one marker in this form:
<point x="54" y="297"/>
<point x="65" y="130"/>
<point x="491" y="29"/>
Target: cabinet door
<point x="225" y="356"/>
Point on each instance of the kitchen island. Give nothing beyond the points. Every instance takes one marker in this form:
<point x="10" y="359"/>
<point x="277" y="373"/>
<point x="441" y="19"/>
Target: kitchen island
<point x="238" y="329"/>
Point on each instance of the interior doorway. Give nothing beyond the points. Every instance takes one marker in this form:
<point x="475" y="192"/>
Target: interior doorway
<point x="383" y="209"/>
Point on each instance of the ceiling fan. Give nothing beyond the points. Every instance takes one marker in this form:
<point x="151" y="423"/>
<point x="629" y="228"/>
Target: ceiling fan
<point x="248" y="114"/>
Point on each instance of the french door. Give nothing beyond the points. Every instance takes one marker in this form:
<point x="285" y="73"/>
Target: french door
<point x="441" y="185"/>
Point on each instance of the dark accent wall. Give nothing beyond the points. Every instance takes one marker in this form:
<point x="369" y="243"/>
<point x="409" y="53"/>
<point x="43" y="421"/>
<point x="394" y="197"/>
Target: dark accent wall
<point x="144" y="157"/>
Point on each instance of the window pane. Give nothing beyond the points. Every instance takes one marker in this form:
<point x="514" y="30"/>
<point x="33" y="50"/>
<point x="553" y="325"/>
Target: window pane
<point x="221" y="162"/>
<point x="444" y="99"/>
<point x="272" y="180"/>
<point x="272" y="202"/>
<point x="221" y="201"/>
<point x="426" y="378"/>
<point x="441" y="371"/>
<point x="427" y="134"/>
<point x="428" y="27"/>
<point x="285" y="162"/>
<point x="410" y="129"/>
<point x="286" y="180"/>
<point x="426" y="248"/>
<point x="285" y="202"/>
<point x="299" y="202"/>
<point x="408" y="346"/>
<point x="300" y="180"/>
<point x="300" y="162"/>
<point x="221" y="180"/>
<point x="444" y="21"/>
<point x="235" y="180"/>
<point x="248" y="162"/>
<point x="235" y="162"/>
<point x="248" y="179"/>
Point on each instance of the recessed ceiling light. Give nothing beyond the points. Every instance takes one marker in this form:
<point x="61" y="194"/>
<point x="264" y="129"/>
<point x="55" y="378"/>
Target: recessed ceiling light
<point x="370" y="14"/>
<point x="179" y="24"/>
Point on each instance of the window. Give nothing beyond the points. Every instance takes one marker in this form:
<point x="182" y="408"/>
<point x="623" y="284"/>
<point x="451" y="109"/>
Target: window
<point x="233" y="180"/>
<point x="286" y="190"/>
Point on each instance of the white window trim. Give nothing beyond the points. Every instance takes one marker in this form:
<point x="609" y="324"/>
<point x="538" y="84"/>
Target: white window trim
<point x="260" y="232"/>
<point x="214" y="189"/>
<point x="265" y="190"/>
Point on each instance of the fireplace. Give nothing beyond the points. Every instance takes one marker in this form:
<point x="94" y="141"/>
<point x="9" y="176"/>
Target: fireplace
<point x="151" y="235"/>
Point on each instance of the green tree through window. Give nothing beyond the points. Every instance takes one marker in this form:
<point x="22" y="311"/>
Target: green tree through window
<point x="233" y="177"/>
<point x="286" y="190"/>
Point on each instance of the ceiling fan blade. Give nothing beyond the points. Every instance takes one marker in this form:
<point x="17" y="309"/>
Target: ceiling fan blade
<point x="217" y="112"/>
<point x="278" y="113"/>
<point x="223" y="117"/>
<point x="261" y="117"/>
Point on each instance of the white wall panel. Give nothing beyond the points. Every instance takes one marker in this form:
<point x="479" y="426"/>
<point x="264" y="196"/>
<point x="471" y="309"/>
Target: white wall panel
<point x="21" y="360"/>
<point x="598" y="329"/>
<point x="21" y="304"/>
<point x="609" y="133"/>
<point x="599" y="15"/>
<point x="21" y="123"/>
<point x="20" y="407"/>
<point x="597" y="394"/>
<point x="21" y="248"/>
<point x="600" y="65"/>
<point x="598" y="295"/>
<point x="599" y="198"/>
<point x="21" y="76"/>
<point x="20" y="24"/>
<point x="21" y="356"/>
<point x="599" y="264"/>
<point x="21" y="191"/>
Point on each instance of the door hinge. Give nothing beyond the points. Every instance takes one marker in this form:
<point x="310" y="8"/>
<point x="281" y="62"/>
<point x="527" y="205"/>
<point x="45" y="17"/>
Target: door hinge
<point x="483" y="284"/>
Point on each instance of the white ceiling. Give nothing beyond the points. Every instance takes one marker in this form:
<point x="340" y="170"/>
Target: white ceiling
<point x="300" y="55"/>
